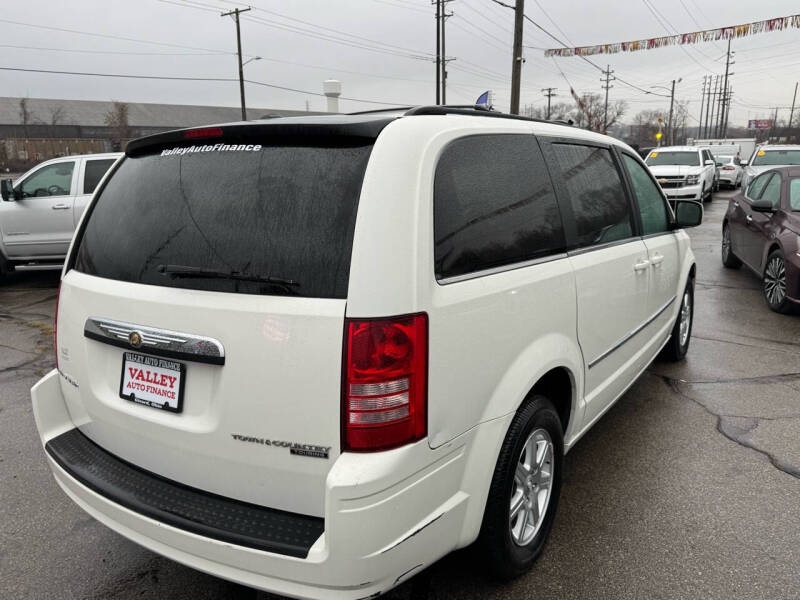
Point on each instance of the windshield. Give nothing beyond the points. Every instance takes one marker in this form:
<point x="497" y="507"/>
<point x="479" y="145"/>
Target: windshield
<point x="776" y="158"/>
<point x="243" y="218"/>
<point x="686" y="159"/>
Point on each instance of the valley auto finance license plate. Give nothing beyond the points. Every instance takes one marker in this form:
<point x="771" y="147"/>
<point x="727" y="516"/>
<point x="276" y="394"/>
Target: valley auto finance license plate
<point x="152" y="381"/>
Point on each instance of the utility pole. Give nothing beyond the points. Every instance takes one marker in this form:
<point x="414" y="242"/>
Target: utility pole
<point x="669" y="123"/>
<point x="791" y="113"/>
<point x="722" y="115"/>
<point x="714" y="106"/>
<point x="438" y="49"/>
<point x="606" y="87"/>
<point x="702" y="99"/>
<point x="235" y="13"/>
<point x="444" y="55"/>
<point x="549" y="92"/>
<point x="516" y="65"/>
<point x="708" y="109"/>
<point x="727" y="111"/>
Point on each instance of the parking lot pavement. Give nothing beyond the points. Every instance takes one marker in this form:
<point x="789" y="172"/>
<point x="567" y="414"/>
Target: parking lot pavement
<point x="688" y="488"/>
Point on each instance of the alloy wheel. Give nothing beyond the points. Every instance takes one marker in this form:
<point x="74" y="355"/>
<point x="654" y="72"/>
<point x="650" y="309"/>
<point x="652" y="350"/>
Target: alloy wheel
<point x="775" y="281"/>
<point x="686" y="318"/>
<point x="533" y="483"/>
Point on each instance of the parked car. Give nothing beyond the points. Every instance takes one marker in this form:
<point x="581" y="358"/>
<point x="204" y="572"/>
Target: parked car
<point x="323" y="352"/>
<point x="683" y="172"/>
<point x="41" y="209"/>
<point x="730" y="170"/>
<point x="768" y="157"/>
<point x="744" y="147"/>
<point x="761" y="230"/>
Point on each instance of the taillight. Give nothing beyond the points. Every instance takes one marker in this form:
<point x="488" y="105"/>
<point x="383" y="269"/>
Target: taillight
<point x="55" y="324"/>
<point x="385" y="392"/>
<point x="727" y="168"/>
<point x="203" y="132"/>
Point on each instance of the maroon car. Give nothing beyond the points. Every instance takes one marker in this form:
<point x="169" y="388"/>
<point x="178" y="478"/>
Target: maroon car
<point x="762" y="230"/>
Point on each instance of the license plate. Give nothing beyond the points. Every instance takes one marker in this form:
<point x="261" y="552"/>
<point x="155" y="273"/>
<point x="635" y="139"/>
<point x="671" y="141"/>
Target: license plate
<point x="152" y="381"/>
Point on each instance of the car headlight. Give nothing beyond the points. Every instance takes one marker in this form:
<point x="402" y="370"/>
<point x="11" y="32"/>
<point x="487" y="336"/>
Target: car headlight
<point x="692" y="179"/>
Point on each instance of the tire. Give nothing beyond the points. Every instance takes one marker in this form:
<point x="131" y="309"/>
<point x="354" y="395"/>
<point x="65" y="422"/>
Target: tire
<point x="508" y="545"/>
<point x="773" y="283"/>
<point x="729" y="259"/>
<point x="6" y="268"/>
<point x="679" y="339"/>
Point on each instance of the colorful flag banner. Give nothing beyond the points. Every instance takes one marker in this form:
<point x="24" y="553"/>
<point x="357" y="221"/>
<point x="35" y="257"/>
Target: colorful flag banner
<point x="695" y="37"/>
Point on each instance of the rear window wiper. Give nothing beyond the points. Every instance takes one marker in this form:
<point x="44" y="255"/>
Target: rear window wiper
<point x="187" y="272"/>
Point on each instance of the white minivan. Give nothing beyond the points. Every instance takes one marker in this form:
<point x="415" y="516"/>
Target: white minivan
<point x="314" y="355"/>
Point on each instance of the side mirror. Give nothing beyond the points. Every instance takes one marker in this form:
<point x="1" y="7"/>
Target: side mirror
<point x="7" y="190"/>
<point x="762" y="206"/>
<point x="688" y="213"/>
<point x="709" y="162"/>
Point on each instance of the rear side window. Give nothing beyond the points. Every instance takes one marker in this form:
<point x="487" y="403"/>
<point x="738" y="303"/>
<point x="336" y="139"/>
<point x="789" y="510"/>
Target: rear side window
<point x="593" y="188"/>
<point x="93" y="173"/>
<point x="227" y="220"/>
<point x="493" y="205"/>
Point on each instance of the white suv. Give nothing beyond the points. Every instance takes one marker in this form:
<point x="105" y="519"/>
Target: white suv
<point x="41" y="209"/>
<point x="314" y="355"/>
<point x="684" y="172"/>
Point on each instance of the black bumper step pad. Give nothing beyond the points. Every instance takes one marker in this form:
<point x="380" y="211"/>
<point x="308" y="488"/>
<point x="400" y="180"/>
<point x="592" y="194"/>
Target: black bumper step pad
<point x="181" y="506"/>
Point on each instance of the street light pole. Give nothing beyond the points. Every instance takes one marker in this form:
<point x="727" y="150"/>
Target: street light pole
<point x="235" y="13"/>
<point x="669" y="123"/>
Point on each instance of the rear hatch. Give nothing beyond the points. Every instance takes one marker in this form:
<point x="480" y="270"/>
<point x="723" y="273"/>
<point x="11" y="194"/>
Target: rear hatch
<point x="202" y="312"/>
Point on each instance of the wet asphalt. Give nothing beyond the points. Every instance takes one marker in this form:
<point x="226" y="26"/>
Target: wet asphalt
<point x="688" y="488"/>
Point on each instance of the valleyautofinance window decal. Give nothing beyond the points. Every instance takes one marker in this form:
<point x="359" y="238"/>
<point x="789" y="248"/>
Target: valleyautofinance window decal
<point x="212" y="148"/>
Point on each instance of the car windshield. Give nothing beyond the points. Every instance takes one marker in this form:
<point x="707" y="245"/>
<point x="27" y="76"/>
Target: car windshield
<point x="776" y="157"/>
<point x="723" y="160"/>
<point x="684" y="158"/>
<point x="794" y="194"/>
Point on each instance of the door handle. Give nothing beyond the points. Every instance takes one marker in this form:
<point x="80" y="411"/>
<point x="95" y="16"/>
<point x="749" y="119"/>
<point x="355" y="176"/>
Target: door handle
<point x="657" y="259"/>
<point x="641" y="264"/>
<point x="749" y="219"/>
<point x="736" y="205"/>
<point x="60" y="206"/>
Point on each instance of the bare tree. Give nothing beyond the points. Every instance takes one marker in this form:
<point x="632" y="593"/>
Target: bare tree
<point x="117" y="120"/>
<point x="560" y="111"/>
<point x="57" y="115"/>
<point x="591" y="112"/>
<point x="24" y="115"/>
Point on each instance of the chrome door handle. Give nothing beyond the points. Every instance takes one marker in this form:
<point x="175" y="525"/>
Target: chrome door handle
<point x="736" y="204"/>
<point x="641" y="265"/>
<point x="60" y="207"/>
<point x="657" y="259"/>
<point x="749" y="219"/>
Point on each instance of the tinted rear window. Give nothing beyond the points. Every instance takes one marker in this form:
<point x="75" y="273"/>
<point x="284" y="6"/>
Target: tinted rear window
<point x="284" y="210"/>
<point x="493" y="205"/>
<point x="95" y="169"/>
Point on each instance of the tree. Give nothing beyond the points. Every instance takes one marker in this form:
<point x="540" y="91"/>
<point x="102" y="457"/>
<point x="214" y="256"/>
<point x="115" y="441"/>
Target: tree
<point x="559" y="111"/>
<point x="117" y="120"/>
<point x="591" y="112"/>
<point x="57" y="115"/>
<point x="24" y="115"/>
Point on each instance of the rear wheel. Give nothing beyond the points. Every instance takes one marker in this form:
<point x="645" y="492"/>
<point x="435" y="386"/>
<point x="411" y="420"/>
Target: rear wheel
<point x="729" y="259"/>
<point x="525" y="489"/>
<point x="6" y="268"/>
<point x="678" y="344"/>
<point x="774" y="283"/>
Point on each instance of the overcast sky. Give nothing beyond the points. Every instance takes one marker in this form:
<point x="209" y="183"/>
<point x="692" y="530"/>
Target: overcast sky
<point x="380" y="50"/>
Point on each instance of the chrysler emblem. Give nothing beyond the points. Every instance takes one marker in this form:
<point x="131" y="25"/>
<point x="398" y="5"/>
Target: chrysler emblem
<point x="135" y="339"/>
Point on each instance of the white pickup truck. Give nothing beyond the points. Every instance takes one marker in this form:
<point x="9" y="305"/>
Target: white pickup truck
<point x="41" y="209"/>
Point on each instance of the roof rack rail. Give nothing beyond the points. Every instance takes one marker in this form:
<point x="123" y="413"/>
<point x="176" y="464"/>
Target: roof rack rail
<point x="380" y="110"/>
<point x="474" y="110"/>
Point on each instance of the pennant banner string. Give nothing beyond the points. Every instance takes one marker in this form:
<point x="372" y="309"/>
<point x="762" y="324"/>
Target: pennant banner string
<point x="695" y="37"/>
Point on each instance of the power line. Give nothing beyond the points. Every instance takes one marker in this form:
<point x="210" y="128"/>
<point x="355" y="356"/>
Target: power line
<point x="168" y="78"/>
<point x="116" y="52"/>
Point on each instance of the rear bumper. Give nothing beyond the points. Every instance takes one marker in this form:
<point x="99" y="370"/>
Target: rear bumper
<point x="387" y="516"/>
